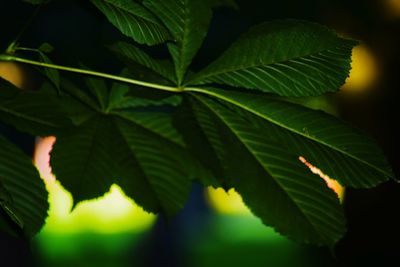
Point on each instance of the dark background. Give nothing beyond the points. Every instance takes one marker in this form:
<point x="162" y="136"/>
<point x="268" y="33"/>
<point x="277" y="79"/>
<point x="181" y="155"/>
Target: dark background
<point x="79" y="35"/>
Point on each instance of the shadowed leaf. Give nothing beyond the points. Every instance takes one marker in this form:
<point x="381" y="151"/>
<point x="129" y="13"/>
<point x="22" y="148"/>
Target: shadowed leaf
<point x="275" y="185"/>
<point x="341" y="151"/>
<point x="23" y="196"/>
<point x="188" y="22"/>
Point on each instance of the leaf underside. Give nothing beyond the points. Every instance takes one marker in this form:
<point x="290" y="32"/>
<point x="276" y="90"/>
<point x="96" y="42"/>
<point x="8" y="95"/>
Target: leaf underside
<point x="29" y="111"/>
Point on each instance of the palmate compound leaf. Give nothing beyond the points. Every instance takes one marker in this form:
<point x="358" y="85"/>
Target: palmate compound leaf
<point x="151" y="169"/>
<point x="288" y="58"/>
<point x="80" y="161"/>
<point x="275" y="185"/>
<point x="339" y="150"/>
<point x="23" y="197"/>
<point x="137" y="149"/>
<point x="36" y="112"/>
<point x="159" y="162"/>
<point x="188" y="21"/>
<point x="133" y="20"/>
<point x="123" y="97"/>
<point x="99" y="90"/>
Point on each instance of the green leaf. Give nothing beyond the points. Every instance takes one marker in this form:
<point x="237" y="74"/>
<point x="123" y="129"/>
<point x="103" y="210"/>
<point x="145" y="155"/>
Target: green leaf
<point x="46" y="48"/>
<point x="275" y="185"/>
<point x="158" y="122"/>
<point x="38" y="113"/>
<point x="52" y="74"/>
<point x="80" y="159"/>
<point x="99" y="90"/>
<point x="70" y="89"/>
<point x="133" y="20"/>
<point x="197" y="142"/>
<point x="288" y="58"/>
<point x="120" y="100"/>
<point x="160" y="163"/>
<point x="119" y="90"/>
<point x="128" y="53"/>
<point x="339" y="150"/>
<point x="140" y="153"/>
<point x="6" y="204"/>
<point x="188" y="21"/>
<point x="8" y="226"/>
<point x="23" y="196"/>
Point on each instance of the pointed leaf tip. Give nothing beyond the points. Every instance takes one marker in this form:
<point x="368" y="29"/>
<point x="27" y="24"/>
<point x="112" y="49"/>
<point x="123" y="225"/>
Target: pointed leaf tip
<point x="288" y="58"/>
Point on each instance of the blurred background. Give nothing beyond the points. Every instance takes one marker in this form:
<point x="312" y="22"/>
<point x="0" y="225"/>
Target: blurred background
<point x="215" y="228"/>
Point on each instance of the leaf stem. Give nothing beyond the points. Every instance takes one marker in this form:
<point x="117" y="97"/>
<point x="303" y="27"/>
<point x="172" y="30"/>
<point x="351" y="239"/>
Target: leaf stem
<point x="6" y="57"/>
<point x="27" y="49"/>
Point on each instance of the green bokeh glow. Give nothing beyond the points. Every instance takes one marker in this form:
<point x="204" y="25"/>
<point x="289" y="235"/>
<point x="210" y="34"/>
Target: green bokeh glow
<point x="106" y="231"/>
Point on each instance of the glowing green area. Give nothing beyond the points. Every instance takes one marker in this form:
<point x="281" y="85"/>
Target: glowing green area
<point x="107" y="231"/>
<point x="242" y="240"/>
<point x="101" y="232"/>
<point x="245" y="228"/>
<point x="234" y="221"/>
<point x="85" y="249"/>
<point x="112" y="213"/>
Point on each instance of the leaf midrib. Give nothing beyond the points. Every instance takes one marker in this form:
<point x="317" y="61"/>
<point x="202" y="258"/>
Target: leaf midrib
<point x="121" y="116"/>
<point x="201" y="90"/>
<point x="88" y="160"/>
<point x="183" y="43"/>
<point x="121" y="7"/>
<point x="257" y="65"/>
<point x="139" y="164"/>
<point x="267" y="170"/>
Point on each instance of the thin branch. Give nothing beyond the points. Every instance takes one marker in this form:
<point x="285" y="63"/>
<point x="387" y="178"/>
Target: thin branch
<point x="6" y="57"/>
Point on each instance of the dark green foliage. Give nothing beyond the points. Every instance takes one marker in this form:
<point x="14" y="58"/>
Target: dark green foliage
<point x="154" y="143"/>
<point x="289" y="58"/>
<point x="133" y="20"/>
<point x="39" y="113"/>
<point x="23" y="196"/>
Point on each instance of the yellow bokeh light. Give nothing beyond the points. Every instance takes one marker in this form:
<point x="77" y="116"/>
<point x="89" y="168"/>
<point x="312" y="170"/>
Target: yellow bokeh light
<point x="230" y="203"/>
<point x="13" y="73"/>
<point x="364" y="70"/>
<point x="392" y="7"/>
<point x="112" y="213"/>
